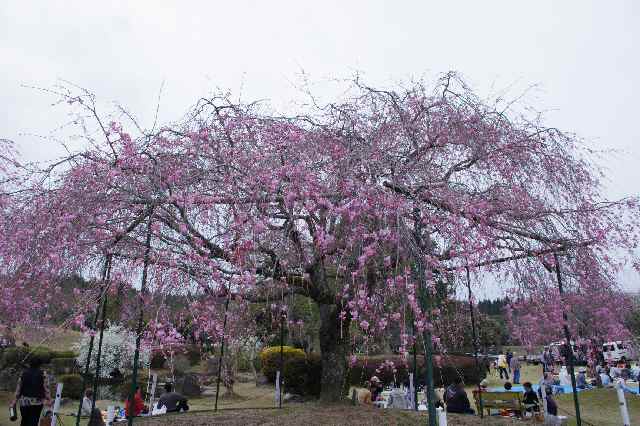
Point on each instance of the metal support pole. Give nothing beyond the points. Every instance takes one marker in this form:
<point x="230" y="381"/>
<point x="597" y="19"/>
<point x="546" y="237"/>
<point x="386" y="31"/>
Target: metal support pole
<point x="474" y="339"/>
<point x="87" y="364"/>
<point x="136" y="355"/>
<point x="224" y="330"/>
<point x="567" y="336"/>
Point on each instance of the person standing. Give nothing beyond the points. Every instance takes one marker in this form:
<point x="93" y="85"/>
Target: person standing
<point x="502" y="366"/>
<point x="514" y="366"/>
<point x="509" y="358"/>
<point x="32" y="393"/>
<point x="548" y="360"/>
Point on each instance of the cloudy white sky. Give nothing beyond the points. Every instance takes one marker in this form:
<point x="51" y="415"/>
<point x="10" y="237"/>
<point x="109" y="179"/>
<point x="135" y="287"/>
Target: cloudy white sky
<point x="582" y="56"/>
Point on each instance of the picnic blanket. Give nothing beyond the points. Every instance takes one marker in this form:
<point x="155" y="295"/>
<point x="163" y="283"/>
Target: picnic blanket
<point x="557" y="389"/>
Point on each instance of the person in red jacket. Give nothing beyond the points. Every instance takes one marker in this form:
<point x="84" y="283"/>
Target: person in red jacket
<point x="138" y="404"/>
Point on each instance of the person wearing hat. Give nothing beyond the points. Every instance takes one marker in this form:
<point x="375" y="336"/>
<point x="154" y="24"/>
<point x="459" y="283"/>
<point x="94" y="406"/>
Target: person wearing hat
<point x="581" y="379"/>
<point x="376" y="388"/>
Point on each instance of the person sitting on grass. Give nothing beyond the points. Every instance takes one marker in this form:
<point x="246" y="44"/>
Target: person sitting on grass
<point x="530" y="399"/>
<point x="376" y="388"/>
<point x="174" y="401"/>
<point x="137" y="407"/>
<point x="581" y="379"/>
<point x="86" y="402"/>
<point x="456" y="398"/>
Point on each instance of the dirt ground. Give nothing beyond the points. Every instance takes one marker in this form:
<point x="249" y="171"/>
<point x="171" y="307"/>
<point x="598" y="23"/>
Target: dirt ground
<point x="312" y="414"/>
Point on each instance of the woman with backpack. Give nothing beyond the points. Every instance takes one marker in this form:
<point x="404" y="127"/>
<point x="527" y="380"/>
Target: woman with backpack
<point x="32" y="393"/>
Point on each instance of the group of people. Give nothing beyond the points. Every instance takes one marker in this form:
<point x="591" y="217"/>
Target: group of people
<point x="32" y="395"/>
<point x="606" y="374"/>
<point x="509" y="363"/>
<point x="171" y="401"/>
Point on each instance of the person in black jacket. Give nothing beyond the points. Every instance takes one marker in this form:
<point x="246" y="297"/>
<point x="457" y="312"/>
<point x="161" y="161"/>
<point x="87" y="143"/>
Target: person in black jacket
<point x="456" y="398"/>
<point x="32" y="393"/>
<point x="530" y="398"/>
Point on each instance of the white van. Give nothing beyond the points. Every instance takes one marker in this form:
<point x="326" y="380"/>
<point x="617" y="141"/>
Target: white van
<point x="618" y="351"/>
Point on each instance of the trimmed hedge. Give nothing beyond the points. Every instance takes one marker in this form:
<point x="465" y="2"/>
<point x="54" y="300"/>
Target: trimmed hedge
<point x="270" y="359"/>
<point x="124" y="388"/>
<point x="301" y="373"/>
<point x="158" y="360"/>
<point x="71" y="386"/>
<point x="193" y="354"/>
<point x="19" y="356"/>
<point x="63" y="354"/>
<point x="444" y="372"/>
<point x="64" y="365"/>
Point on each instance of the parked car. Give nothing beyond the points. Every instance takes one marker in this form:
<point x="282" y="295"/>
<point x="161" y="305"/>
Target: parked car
<point x="532" y="359"/>
<point x="618" y="351"/>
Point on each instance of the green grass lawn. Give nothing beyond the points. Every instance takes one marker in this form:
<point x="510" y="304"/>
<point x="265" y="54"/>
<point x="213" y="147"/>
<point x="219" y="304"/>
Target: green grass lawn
<point x="598" y="407"/>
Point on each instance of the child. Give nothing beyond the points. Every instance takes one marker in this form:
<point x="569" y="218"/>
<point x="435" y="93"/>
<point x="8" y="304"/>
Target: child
<point x="552" y="407"/>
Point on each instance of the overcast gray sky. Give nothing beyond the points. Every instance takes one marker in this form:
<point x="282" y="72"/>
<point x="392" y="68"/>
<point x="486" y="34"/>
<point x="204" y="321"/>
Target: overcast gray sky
<point x="582" y="55"/>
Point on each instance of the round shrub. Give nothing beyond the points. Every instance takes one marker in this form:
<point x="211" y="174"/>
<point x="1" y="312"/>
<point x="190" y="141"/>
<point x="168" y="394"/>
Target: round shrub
<point x="158" y="360"/>
<point x="181" y="364"/>
<point x="71" y="386"/>
<point x="295" y="375"/>
<point x="314" y="375"/>
<point x="270" y="359"/>
<point x="124" y="388"/>
<point x="193" y="354"/>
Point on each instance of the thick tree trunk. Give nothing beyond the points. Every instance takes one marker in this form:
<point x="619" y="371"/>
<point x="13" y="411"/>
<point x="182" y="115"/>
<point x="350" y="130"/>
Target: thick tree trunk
<point x="334" y="349"/>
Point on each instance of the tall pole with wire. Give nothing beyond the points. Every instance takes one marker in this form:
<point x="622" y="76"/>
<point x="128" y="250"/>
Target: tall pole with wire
<point x="569" y="348"/>
<point x="474" y="338"/>
<point x="143" y="287"/>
